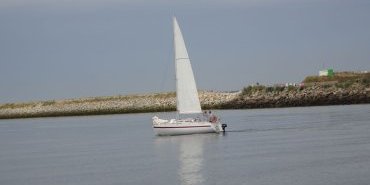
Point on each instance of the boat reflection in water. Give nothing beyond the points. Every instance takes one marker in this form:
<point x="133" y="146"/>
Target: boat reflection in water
<point x="190" y="155"/>
<point x="191" y="160"/>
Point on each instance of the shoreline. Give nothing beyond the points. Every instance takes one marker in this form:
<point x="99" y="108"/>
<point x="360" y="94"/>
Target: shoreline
<point x="102" y="113"/>
<point x="249" y="98"/>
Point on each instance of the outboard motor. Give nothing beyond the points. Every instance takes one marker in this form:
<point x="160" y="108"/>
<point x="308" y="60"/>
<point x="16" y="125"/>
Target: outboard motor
<point x="223" y="126"/>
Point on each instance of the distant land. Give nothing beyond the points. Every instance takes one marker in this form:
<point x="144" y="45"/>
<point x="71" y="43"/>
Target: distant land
<point x="340" y="88"/>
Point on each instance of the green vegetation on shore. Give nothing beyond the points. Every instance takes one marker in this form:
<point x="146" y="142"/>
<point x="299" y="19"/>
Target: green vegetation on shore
<point x="340" y="80"/>
<point x="340" y="77"/>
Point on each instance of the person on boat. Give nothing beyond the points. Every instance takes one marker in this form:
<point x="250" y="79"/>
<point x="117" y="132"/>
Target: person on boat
<point x="205" y="115"/>
<point x="212" y="117"/>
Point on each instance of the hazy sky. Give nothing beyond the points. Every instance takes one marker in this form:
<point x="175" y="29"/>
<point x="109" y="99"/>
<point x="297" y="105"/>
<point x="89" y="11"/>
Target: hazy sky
<point x="54" y="49"/>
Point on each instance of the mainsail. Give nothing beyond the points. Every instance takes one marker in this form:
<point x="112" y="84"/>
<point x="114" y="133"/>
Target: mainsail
<point x="186" y="90"/>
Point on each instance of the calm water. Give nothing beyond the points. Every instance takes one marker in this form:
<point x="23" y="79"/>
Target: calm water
<point x="312" y="145"/>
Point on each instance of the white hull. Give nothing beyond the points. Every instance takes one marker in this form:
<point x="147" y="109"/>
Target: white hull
<point x="182" y="127"/>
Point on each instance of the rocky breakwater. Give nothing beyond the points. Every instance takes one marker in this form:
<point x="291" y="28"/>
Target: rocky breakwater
<point x="158" y="102"/>
<point x="291" y="96"/>
<point x="250" y="97"/>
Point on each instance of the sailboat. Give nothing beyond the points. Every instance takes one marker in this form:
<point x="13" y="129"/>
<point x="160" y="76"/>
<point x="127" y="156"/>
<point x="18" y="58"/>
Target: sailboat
<point x="190" y="118"/>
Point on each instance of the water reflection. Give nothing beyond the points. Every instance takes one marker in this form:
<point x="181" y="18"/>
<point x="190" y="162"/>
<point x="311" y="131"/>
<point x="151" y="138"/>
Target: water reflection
<point x="191" y="160"/>
<point x="190" y="156"/>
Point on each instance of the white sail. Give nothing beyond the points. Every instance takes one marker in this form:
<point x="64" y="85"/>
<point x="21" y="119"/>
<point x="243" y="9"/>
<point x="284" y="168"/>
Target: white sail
<point x="186" y="90"/>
